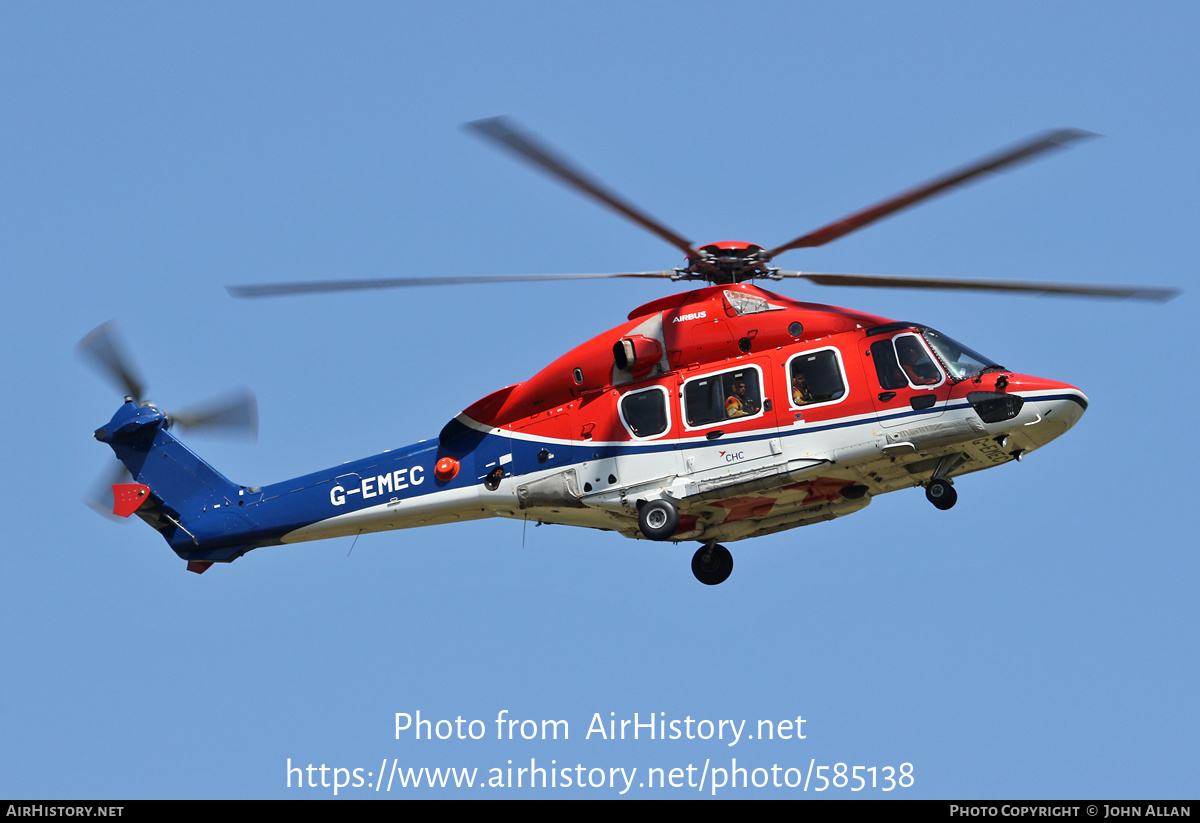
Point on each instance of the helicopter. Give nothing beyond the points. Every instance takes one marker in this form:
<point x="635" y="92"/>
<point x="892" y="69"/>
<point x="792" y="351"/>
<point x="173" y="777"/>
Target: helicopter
<point x="712" y="415"/>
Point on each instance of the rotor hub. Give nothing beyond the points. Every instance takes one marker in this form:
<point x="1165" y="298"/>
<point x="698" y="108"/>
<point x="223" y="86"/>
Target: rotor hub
<point x="728" y="262"/>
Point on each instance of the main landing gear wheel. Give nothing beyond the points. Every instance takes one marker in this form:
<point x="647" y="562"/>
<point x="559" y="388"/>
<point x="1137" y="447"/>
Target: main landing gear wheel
<point x="659" y="519"/>
<point x="941" y="494"/>
<point x="712" y="564"/>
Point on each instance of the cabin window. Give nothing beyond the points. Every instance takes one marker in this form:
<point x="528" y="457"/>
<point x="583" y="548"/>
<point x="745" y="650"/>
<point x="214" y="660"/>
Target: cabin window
<point x="816" y="377"/>
<point x="645" y="412"/>
<point x="730" y="395"/>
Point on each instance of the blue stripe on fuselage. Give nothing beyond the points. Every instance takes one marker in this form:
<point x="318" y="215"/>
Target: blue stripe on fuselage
<point x="409" y="472"/>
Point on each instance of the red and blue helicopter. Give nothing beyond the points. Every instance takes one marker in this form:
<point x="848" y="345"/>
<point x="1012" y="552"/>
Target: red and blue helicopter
<point x="713" y="415"/>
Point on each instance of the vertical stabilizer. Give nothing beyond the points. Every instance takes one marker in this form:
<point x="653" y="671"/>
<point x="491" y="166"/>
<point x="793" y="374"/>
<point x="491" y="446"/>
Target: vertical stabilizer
<point x="193" y="505"/>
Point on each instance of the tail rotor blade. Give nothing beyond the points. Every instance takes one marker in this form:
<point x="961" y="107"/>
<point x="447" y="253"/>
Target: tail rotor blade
<point x="235" y="413"/>
<point x="103" y="349"/>
<point x="100" y="499"/>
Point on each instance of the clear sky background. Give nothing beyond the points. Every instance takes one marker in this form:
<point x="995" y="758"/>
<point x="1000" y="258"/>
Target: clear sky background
<point x="1037" y="641"/>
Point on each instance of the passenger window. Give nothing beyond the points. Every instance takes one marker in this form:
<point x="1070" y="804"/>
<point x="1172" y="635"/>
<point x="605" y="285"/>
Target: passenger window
<point x="816" y="378"/>
<point x="645" y="412"/>
<point x="718" y="397"/>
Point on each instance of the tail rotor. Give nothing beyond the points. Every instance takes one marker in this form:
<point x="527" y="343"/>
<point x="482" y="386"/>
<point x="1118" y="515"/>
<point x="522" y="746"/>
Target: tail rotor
<point x="232" y="414"/>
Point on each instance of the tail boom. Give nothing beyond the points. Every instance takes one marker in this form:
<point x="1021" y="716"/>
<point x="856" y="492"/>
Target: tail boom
<point x="207" y="518"/>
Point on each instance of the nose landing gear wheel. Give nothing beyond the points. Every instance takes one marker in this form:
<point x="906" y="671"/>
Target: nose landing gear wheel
<point x="712" y="564"/>
<point x="659" y="519"/>
<point x="941" y="494"/>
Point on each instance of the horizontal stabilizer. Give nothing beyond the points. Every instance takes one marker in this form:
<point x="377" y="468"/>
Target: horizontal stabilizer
<point x="128" y="498"/>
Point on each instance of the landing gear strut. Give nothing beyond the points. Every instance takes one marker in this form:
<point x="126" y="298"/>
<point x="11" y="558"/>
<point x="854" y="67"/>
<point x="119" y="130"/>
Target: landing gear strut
<point x="940" y="491"/>
<point x="712" y="564"/>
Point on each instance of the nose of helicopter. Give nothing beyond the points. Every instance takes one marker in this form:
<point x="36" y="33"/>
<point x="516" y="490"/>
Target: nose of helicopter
<point x="1056" y="407"/>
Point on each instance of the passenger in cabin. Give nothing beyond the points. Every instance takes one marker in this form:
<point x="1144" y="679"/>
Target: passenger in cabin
<point x="740" y="403"/>
<point x="800" y="391"/>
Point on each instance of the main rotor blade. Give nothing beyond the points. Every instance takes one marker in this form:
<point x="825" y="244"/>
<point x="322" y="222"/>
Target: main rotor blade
<point x="103" y="348"/>
<point x="234" y="413"/>
<point x="1022" y="151"/>
<point x="501" y="130"/>
<point x="281" y="289"/>
<point x="888" y="281"/>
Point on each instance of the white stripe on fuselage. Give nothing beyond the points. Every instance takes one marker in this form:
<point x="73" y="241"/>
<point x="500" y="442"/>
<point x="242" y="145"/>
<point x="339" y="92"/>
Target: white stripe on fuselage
<point x="642" y="463"/>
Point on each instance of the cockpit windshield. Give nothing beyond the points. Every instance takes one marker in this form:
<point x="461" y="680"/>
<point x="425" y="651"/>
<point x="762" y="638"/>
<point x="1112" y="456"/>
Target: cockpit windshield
<point x="960" y="361"/>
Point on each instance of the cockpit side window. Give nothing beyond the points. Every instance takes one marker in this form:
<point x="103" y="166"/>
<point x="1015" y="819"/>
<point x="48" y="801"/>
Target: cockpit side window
<point x="915" y="361"/>
<point x="904" y="361"/>
<point x="816" y="377"/>
<point x="887" y="368"/>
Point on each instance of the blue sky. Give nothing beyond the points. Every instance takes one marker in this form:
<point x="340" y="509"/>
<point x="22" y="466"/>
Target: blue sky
<point x="1036" y="641"/>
